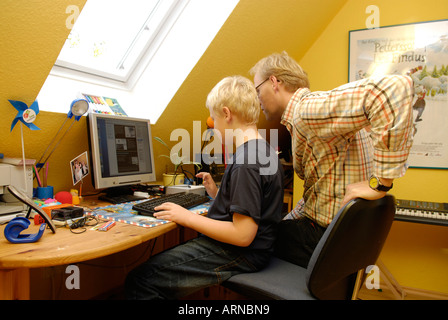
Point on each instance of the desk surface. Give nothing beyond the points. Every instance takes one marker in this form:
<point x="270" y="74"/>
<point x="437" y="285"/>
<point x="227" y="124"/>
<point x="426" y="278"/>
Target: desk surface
<point x="65" y="247"/>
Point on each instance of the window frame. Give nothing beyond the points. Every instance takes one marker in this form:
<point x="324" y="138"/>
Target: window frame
<point x="172" y="12"/>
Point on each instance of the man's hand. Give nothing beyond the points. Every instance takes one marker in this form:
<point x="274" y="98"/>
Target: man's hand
<point x="363" y="190"/>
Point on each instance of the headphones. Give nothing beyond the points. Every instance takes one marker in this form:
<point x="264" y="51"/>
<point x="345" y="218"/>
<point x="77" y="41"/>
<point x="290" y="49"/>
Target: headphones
<point x="16" y="226"/>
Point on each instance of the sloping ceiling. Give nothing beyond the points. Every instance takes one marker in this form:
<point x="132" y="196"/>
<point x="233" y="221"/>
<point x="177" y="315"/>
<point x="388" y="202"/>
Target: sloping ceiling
<point x="32" y="35"/>
<point x="255" y="29"/>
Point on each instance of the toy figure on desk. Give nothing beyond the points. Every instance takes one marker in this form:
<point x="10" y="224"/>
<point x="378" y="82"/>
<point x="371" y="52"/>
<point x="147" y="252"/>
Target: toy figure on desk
<point x="239" y="231"/>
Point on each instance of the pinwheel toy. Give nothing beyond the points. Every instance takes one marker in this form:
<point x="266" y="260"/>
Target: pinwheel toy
<point x="25" y="115"/>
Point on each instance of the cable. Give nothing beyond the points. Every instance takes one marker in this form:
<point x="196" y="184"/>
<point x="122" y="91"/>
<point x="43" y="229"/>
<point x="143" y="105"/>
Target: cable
<point x="81" y="223"/>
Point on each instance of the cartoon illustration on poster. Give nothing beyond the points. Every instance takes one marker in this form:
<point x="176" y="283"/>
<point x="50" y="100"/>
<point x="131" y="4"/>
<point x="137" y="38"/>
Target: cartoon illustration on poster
<point x="420" y="51"/>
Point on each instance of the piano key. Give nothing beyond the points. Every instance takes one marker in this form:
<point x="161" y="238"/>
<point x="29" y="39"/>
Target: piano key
<point x="422" y="212"/>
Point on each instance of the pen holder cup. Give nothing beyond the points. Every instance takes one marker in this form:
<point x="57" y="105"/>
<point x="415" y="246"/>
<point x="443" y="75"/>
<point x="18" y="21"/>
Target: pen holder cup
<point x="45" y="192"/>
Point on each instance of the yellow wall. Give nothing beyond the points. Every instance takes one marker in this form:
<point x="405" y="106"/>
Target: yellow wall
<point x="33" y="33"/>
<point x="255" y="28"/>
<point x="37" y="33"/>
<point x="416" y="254"/>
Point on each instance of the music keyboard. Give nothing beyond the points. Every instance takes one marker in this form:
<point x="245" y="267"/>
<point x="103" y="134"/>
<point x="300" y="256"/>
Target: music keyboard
<point x="422" y="212"/>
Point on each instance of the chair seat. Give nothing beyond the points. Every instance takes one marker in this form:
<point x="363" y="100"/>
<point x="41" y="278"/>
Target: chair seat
<point x="280" y="280"/>
<point x="351" y="243"/>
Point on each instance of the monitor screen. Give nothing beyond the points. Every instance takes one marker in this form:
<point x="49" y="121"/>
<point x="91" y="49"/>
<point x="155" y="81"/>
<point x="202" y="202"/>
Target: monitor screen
<point x="121" y="150"/>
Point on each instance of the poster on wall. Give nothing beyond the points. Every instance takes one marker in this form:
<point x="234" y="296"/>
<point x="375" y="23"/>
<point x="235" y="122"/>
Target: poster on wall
<point x="419" y="50"/>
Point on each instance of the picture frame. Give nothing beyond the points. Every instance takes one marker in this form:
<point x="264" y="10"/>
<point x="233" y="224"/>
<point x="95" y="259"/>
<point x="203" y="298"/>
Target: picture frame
<point x="419" y="50"/>
<point x="19" y="195"/>
<point x="79" y="167"/>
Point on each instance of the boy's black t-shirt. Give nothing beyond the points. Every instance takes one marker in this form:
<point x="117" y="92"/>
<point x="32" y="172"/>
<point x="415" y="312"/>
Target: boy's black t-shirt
<point x="252" y="185"/>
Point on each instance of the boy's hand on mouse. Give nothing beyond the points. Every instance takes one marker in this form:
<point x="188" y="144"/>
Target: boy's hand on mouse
<point x="208" y="183"/>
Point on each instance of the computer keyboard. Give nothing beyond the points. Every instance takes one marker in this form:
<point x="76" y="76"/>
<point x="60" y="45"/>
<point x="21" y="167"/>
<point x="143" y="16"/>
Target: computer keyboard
<point x="186" y="200"/>
<point x="120" y="198"/>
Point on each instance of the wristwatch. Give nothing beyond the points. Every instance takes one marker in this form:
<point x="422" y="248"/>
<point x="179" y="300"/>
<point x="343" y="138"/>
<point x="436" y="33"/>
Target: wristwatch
<point x="375" y="184"/>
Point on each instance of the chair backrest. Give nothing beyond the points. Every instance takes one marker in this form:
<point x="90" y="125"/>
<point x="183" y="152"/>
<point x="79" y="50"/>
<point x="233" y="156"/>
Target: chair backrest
<point x="352" y="241"/>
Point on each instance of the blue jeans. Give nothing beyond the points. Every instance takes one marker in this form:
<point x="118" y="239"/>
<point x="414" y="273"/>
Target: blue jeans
<point x="184" y="269"/>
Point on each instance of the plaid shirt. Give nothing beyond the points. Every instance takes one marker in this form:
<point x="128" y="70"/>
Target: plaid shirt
<point x="342" y="136"/>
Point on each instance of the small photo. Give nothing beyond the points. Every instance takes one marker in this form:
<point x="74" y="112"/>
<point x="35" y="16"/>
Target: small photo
<point x="79" y="167"/>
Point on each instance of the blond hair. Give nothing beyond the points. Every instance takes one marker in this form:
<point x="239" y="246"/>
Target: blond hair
<point x="284" y="68"/>
<point x="239" y="95"/>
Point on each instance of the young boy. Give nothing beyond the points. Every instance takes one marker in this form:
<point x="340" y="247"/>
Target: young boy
<point x="238" y="233"/>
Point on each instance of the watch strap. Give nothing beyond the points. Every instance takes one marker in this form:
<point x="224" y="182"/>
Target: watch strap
<point x="383" y="187"/>
<point x="380" y="186"/>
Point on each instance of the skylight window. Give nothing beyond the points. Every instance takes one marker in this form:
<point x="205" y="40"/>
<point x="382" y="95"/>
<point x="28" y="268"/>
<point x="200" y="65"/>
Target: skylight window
<point x="110" y="37"/>
<point x="146" y="67"/>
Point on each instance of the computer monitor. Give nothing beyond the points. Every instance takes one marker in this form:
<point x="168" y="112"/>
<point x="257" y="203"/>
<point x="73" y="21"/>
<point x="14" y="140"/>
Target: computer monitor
<point x="121" y="150"/>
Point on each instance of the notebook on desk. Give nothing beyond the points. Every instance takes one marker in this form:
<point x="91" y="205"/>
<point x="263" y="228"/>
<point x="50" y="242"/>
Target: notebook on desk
<point x="124" y="213"/>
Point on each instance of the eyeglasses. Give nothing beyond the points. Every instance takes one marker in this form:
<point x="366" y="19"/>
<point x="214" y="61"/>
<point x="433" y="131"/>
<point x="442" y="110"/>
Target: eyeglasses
<point x="256" y="88"/>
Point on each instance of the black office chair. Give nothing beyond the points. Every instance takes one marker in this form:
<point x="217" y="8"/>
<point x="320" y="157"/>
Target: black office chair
<point x="352" y="242"/>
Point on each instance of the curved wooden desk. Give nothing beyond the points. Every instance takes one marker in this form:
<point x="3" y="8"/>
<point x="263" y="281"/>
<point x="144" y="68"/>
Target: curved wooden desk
<point x="64" y="247"/>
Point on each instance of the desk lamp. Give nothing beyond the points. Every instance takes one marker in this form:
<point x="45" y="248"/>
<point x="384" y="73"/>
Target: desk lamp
<point x="77" y="108"/>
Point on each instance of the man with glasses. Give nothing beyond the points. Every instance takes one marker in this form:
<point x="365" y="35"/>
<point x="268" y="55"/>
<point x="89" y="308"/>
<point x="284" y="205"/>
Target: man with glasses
<point x="350" y="142"/>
